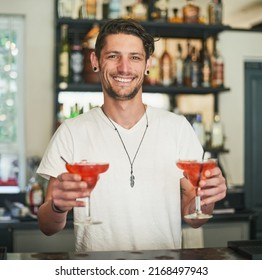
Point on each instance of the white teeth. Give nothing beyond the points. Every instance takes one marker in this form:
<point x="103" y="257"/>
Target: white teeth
<point x="122" y="80"/>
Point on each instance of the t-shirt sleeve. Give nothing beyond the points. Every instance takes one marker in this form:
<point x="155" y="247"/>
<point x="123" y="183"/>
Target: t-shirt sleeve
<point x="61" y="144"/>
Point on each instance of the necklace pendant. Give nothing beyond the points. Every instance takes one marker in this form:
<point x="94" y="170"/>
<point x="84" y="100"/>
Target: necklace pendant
<point x="132" y="180"/>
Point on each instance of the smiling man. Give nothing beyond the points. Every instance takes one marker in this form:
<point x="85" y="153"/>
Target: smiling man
<point x="142" y="197"/>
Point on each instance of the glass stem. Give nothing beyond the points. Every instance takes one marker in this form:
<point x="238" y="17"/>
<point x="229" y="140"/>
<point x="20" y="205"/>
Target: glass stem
<point x="198" y="202"/>
<point x="89" y="209"/>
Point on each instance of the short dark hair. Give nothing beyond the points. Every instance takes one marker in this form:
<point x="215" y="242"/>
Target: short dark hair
<point x="125" y="26"/>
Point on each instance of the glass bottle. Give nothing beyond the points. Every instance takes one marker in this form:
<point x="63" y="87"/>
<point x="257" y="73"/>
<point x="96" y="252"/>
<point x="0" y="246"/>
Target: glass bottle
<point x="114" y="9"/>
<point x="191" y="12"/>
<point x="160" y="10"/>
<point x="195" y="68"/>
<point x="76" y="60"/>
<point x="179" y="66"/>
<point x="199" y="129"/>
<point x="217" y="69"/>
<point x="35" y="190"/>
<point x="187" y="67"/>
<point x="166" y="67"/>
<point x="153" y="78"/>
<point x="128" y="12"/>
<point x="105" y="9"/>
<point x="89" y="9"/>
<point x="215" y="12"/>
<point x="139" y="10"/>
<point x="217" y="136"/>
<point x="74" y="111"/>
<point x="206" y="70"/>
<point x="175" y="18"/>
<point x="64" y="58"/>
<point x="60" y="117"/>
<point x="64" y="9"/>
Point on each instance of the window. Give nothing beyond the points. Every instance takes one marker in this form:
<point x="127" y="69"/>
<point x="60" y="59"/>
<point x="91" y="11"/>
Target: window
<point x="12" y="146"/>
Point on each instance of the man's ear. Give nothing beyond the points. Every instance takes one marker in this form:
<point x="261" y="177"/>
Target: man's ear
<point x="94" y="62"/>
<point x="148" y="64"/>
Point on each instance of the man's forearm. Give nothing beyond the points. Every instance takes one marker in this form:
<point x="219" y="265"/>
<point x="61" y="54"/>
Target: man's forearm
<point x="50" y="222"/>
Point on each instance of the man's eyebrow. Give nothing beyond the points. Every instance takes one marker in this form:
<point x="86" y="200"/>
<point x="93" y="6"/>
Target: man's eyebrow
<point x="118" y="52"/>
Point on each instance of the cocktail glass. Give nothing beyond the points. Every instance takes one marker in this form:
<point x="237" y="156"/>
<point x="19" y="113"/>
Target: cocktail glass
<point x="89" y="171"/>
<point x="195" y="170"/>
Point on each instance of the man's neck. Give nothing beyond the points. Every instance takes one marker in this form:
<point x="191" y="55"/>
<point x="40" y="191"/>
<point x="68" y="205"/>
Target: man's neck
<point x="125" y="113"/>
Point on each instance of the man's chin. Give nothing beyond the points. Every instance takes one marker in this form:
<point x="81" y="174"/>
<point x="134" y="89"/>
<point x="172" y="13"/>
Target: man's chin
<point x="123" y="96"/>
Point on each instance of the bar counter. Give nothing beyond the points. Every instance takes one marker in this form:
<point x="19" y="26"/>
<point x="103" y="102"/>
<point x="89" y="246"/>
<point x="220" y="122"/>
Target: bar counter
<point x="183" y="254"/>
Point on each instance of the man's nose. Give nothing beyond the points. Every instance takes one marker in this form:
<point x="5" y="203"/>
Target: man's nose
<point x="123" y="64"/>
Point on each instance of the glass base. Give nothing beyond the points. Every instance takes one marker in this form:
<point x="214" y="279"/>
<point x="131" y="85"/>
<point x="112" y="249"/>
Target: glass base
<point x="198" y="216"/>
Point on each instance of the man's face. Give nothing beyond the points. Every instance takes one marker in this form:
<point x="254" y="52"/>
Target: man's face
<point x="122" y="66"/>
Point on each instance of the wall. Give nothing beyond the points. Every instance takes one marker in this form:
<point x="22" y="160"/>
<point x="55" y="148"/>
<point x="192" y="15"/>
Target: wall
<point x="39" y="54"/>
<point x="237" y="47"/>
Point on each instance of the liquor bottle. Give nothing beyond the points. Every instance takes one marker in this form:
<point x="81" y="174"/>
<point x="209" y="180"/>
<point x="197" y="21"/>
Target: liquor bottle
<point x="195" y="68"/>
<point x="35" y="191"/>
<point x="199" y="129"/>
<point x="64" y="9"/>
<point x="153" y="78"/>
<point x="89" y="9"/>
<point x="34" y="196"/>
<point x="190" y="12"/>
<point x="166" y="67"/>
<point x="160" y="11"/>
<point x="179" y="66"/>
<point x="217" y="135"/>
<point x="175" y="18"/>
<point x="60" y="117"/>
<point x="76" y="60"/>
<point x="217" y="69"/>
<point x="74" y="111"/>
<point x="187" y="67"/>
<point x="114" y="9"/>
<point x="139" y="10"/>
<point x="206" y="70"/>
<point x="64" y="58"/>
<point x="215" y="12"/>
<point x="129" y="13"/>
<point x="105" y="9"/>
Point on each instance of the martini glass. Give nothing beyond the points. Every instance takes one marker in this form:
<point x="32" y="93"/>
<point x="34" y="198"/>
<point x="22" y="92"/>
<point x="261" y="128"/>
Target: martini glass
<point x="195" y="170"/>
<point x="89" y="171"/>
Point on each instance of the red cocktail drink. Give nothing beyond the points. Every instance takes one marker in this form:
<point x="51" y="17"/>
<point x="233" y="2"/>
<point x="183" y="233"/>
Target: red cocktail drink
<point x="88" y="171"/>
<point x="195" y="171"/>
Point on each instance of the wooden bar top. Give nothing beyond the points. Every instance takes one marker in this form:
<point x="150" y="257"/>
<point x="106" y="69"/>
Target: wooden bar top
<point x="182" y="254"/>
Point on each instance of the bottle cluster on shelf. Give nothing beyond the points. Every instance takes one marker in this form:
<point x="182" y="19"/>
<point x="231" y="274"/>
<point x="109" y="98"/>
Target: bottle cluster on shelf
<point x="74" y="65"/>
<point x="189" y="65"/>
<point x="210" y="137"/>
<point x="157" y="10"/>
<point x="69" y="111"/>
<point x="192" y="67"/>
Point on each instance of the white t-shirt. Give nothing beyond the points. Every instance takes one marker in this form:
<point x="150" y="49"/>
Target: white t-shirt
<point x="147" y="216"/>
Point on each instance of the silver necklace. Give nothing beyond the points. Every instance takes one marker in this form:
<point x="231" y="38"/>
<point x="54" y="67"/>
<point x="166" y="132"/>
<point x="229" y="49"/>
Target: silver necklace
<point x="132" y="177"/>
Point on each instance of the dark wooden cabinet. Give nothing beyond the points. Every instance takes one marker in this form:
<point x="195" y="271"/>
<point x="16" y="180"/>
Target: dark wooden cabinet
<point x="6" y="239"/>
